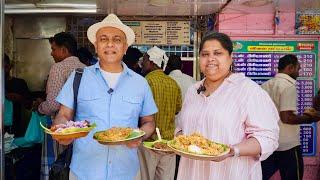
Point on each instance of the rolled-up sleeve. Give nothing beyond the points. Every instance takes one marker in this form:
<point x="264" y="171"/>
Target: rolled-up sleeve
<point x="262" y="121"/>
<point x="65" y="96"/>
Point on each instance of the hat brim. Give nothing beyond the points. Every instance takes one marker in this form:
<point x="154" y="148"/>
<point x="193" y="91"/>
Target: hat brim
<point x="92" y="31"/>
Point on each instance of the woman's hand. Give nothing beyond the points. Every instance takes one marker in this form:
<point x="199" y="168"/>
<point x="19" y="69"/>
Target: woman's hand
<point x="221" y="158"/>
<point x="178" y="133"/>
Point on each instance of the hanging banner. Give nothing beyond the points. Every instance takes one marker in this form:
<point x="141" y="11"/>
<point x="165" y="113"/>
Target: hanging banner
<point x="259" y="61"/>
<point x="308" y="22"/>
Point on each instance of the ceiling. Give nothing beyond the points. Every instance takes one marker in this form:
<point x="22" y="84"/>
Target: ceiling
<point x="157" y="7"/>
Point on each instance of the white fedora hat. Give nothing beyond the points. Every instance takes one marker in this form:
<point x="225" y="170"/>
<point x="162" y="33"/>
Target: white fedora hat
<point x="111" y="21"/>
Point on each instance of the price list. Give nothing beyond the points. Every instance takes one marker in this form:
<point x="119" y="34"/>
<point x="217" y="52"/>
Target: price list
<point x="259" y="61"/>
<point x="305" y="91"/>
<point x="307" y="134"/>
<point x="266" y="64"/>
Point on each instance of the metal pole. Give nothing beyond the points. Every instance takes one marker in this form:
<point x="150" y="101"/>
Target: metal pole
<point x="2" y="164"/>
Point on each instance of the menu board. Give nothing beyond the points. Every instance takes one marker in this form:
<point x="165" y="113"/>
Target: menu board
<point x="136" y="27"/>
<point x="259" y="61"/>
<point x="153" y="32"/>
<point x="161" y="32"/>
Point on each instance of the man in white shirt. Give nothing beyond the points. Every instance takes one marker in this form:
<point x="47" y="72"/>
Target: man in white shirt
<point x="282" y="89"/>
<point x="173" y="69"/>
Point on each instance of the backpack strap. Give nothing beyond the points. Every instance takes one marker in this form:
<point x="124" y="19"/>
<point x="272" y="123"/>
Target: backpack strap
<point x="76" y="84"/>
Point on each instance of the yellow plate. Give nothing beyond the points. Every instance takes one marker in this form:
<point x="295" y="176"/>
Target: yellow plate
<point x="82" y="132"/>
<point x="136" y="134"/>
<point x="197" y="156"/>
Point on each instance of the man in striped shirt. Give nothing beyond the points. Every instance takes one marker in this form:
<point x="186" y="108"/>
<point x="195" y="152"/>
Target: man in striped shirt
<point x="167" y="96"/>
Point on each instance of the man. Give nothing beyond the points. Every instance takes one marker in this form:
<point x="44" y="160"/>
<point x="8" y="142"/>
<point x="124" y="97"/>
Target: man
<point x="16" y="91"/>
<point x="173" y="69"/>
<point x="110" y="95"/>
<point x="282" y="90"/>
<point x="131" y="59"/>
<point x="167" y="96"/>
<point x="63" y="51"/>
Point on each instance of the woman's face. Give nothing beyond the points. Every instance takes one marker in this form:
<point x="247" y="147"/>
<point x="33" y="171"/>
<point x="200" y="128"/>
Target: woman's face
<point x="215" y="61"/>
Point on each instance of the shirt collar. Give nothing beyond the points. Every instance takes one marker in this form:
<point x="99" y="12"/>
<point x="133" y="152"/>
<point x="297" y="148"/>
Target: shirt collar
<point x="71" y="58"/>
<point x="158" y="71"/>
<point x="234" y="78"/>
<point x="286" y="76"/>
<point x="176" y="72"/>
<point x="126" y="70"/>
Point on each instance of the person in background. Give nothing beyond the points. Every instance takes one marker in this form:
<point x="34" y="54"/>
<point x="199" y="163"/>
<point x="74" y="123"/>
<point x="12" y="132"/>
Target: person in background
<point x="85" y="56"/>
<point x="110" y="95"/>
<point x="63" y="51"/>
<point x="173" y="69"/>
<point x="25" y="160"/>
<point x="16" y="91"/>
<point x="282" y="89"/>
<point x="131" y="59"/>
<point x="223" y="108"/>
<point x="167" y="95"/>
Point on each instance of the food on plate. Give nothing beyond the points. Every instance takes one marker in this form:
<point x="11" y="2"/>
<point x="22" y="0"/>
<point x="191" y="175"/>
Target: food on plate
<point x="71" y="127"/>
<point x="197" y="144"/>
<point x="161" y="145"/>
<point x="114" y="134"/>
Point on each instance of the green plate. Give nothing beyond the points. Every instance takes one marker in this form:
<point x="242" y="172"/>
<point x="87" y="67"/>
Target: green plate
<point x="136" y="134"/>
<point x="77" y="130"/>
<point x="76" y="133"/>
<point x="149" y="145"/>
<point x="202" y="157"/>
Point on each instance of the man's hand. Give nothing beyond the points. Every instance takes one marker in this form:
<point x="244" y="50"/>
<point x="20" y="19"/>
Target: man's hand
<point x="315" y="116"/>
<point x="134" y="144"/>
<point x="36" y="103"/>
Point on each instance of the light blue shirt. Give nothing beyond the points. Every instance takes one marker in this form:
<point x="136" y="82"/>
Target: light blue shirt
<point x="131" y="98"/>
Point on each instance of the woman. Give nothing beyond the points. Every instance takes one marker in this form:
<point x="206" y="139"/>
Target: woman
<point x="228" y="108"/>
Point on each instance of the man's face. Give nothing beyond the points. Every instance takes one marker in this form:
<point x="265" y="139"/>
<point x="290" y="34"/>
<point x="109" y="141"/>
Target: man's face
<point x="146" y="64"/>
<point x="111" y="45"/>
<point x="295" y="71"/>
<point x="58" y="53"/>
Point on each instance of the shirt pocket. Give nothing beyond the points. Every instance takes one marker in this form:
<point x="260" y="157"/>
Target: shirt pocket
<point x="91" y="105"/>
<point x="130" y="110"/>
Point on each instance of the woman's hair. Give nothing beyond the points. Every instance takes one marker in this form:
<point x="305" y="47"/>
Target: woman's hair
<point x="224" y="40"/>
<point x="66" y="40"/>
<point x="287" y="60"/>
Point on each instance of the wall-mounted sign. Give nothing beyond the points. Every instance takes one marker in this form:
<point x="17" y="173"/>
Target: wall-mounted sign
<point x="161" y="32"/>
<point x="259" y="61"/>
